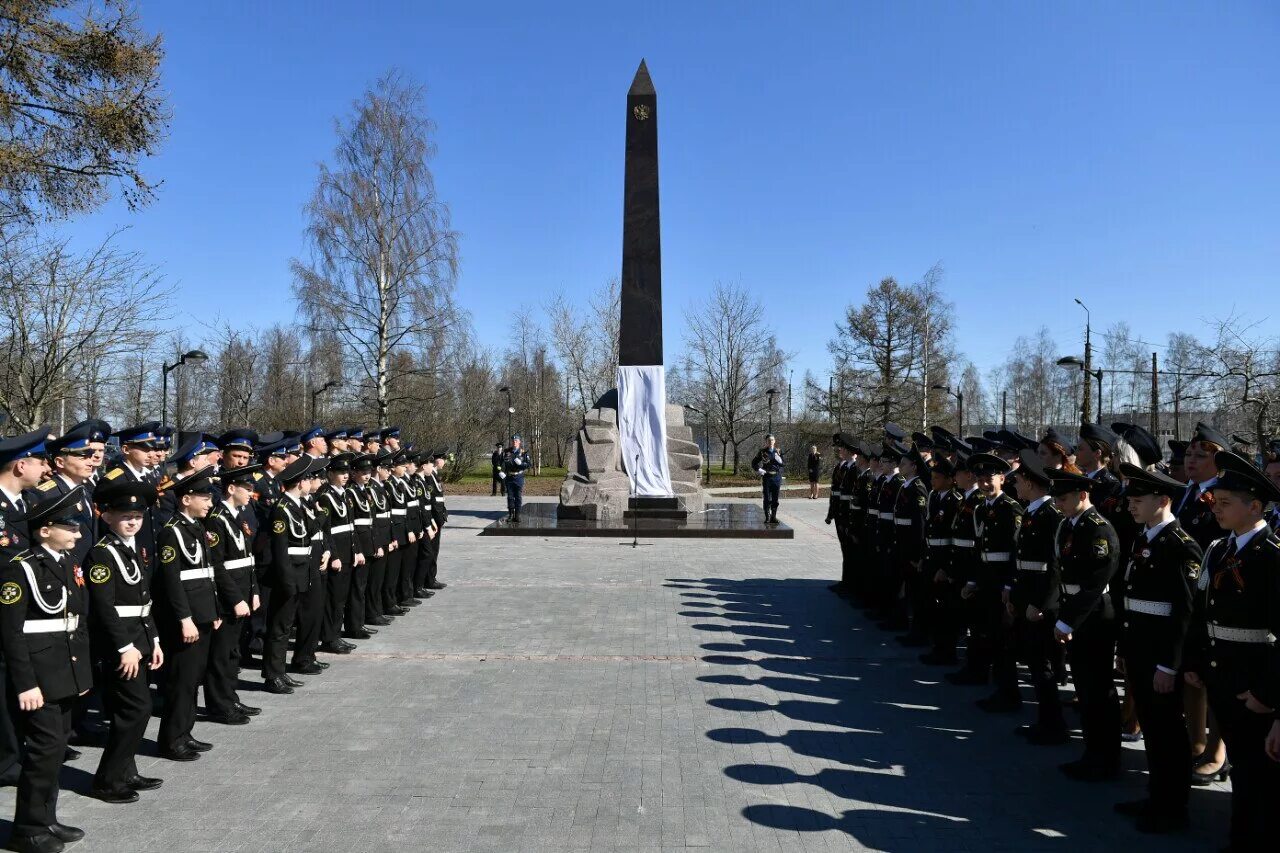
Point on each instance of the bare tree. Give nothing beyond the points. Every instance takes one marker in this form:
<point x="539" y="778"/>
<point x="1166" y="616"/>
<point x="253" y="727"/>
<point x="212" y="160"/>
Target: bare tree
<point x="384" y="258"/>
<point x="1249" y="370"/>
<point x="586" y="342"/>
<point x="60" y="310"/>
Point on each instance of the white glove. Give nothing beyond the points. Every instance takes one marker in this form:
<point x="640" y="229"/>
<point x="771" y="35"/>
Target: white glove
<point x="760" y="471"/>
<point x="502" y="475"/>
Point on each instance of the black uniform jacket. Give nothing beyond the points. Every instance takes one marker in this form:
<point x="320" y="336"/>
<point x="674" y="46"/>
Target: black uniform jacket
<point x="231" y="553"/>
<point x="1036" y="574"/>
<point x="290" y="546"/>
<point x="120" y="599"/>
<point x="43" y="628"/>
<point x="996" y="525"/>
<point x="910" y="514"/>
<point x="1089" y="554"/>
<point x="186" y="588"/>
<point x="1158" y="595"/>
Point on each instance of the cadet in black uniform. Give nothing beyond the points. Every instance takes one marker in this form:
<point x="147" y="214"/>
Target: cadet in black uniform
<point x="439" y="515"/>
<point x="381" y="598"/>
<point x="882" y="580"/>
<point x="46" y="642"/>
<point x="231" y="553"/>
<point x="187" y="607"/>
<point x="360" y="611"/>
<point x="1232" y="648"/>
<point x="1162" y="572"/>
<point x="768" y="465"/>
<point x="911" y="588"/>
<point x="838" y="512"/>
<point x="514" y="463"/>
<point x="1088" y="554"/>
<point x="290" y="545"/>
<point x="311" y="603"/>
<point x="944" y="505"/>
<point x="963" y="570"/>
<point x="1033" y="602"/>
<point x="997" y="522"/>
<point x="126" y="644"/>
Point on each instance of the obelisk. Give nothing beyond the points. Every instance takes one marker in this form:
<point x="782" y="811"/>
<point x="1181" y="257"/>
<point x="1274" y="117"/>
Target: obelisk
<point x="642" y="384"/>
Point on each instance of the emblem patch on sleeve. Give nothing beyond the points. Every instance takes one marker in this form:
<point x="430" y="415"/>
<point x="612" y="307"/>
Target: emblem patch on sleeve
<point x="1192" y="569"/>
<point x="167" y="554"/>
<point x="99" y="573"/>
<point x="213" y="538"/>
<point x="10" y="593"/>
<point x="1101" y="548"/>
<point x="278" y="527"/>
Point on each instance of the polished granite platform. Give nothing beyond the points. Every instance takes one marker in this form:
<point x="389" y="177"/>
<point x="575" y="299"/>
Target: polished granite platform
<point x="717" y="521"/>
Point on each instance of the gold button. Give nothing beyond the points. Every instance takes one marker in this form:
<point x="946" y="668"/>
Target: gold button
<point x="73" y="658"/>
<point x="1213" y="663"/>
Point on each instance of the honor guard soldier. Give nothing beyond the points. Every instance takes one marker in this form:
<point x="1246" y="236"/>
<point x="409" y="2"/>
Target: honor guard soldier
<point x="126" y="643"/>
<point x="996" y="526"/>
<point x="1033" y="604"/>
<point x="838" y="511"/>
<point x="336" y="515"/>
<point x="964" y="570"/>
<point x="910" y="518"/>
<point x="1088" y="554"/>
<point x="231" y="552"/>
<point x="187" y="612"/>
<point x="514" y="463"/>
<point x="1160" y="576"/>
<point x="1232" y="649"/>
<point x="290" y="541"/>
<point x="45" y="638"/>
<point x="768" y="465"/>
<point x="944" y="505"/>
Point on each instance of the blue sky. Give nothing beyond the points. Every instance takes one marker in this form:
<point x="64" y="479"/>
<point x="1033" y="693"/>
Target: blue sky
<point x="1121" y="153"/>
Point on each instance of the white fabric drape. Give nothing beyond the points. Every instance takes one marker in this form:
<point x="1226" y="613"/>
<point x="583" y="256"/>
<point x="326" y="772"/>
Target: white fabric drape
<point x="642" y="425"/>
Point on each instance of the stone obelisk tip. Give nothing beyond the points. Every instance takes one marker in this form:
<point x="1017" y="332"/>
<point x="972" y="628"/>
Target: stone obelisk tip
<point x="643" y="83"/>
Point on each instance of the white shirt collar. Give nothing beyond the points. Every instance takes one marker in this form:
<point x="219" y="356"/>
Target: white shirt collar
<point x="1079" y="515"/>
<point x="57" y="555"/>
<point x="1243" y="539"/>
<point x="1036" y="504"/>
<point x="1153" y="532"/>
<point x="1207" y="484"/>
<point x="1093" y="475"/>
<point x="970" y="491"/>
<point x="13" y="499"/>
<point x="131" y="541"/>
<point x="137" y="472"/>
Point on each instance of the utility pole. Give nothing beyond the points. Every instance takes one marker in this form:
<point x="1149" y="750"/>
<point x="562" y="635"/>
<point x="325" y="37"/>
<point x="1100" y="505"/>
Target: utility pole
<point x="1086" y="406"/>
<point x="1155" y="397"/>
<point x="1004" y="409"/>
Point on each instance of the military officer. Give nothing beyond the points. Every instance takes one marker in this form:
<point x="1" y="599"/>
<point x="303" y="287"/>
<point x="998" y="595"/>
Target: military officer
<point x="1161" y="574"/>
<point x="126" y="643"/>
<point x="45" y="638"/>
<point x="187" y="612"/>
<point x="768" y="465"/>
<point x="231" y="553"/>
<point x="515" y="461"/>
<point x="1088" y="554"/>
<point x="72" y="457"/>
<point x="1232" y="649"/>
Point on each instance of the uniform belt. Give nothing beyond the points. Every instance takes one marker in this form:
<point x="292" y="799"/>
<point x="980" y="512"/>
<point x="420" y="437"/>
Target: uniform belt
<point x="1074" y="588"/>
<point x="996" y="556"/>
<point x="1151" y="608"/>
<point x="886" y="516"/>
<point x="845" y="497"/>
<point x="1032" y="566"/>
<point x="51" y="626"/>
<point x="194" y="574"/>
<point x="1235" y="635"/>
<point x="902" y="522"/>
<point x="399" y="512"/>
<point x="938" y="543"/>
<point x="238" y="563"/>
<point x="363" y="522"/>
<point x="340" y="528"/>
<point x="411" y="503"/>
<point x="133" y="609"/>
<point x="299" y="550"/>
<point x="963" y="543"/>
<point x="386" y="514"/>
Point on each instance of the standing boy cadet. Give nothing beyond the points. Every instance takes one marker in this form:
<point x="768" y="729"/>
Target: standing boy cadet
<point x="46" y="645"/>
<point x="126" y="643"/>
<point x="290" y="545"/>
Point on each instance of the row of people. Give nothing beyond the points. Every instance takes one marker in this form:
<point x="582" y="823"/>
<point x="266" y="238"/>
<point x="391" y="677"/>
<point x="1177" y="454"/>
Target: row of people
<point x="1045" y="554"/>
<point x="118" y="575"/>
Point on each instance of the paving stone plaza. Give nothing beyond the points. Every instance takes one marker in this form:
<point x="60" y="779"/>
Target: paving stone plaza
<point x="576" y="694"/>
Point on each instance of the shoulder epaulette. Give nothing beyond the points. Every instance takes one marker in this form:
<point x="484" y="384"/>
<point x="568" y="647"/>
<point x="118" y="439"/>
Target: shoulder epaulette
<point x="171" y="522"/>
<point x="20" y="556"/>
<point x="257" y="476"/>
<point x="47" y="485"/>
<point x="1273" y="543"/>
<point x="113" y="473"/>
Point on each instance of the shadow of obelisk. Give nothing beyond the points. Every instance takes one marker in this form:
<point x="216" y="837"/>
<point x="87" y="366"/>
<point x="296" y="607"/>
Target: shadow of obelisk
<point x="632" y="442"/>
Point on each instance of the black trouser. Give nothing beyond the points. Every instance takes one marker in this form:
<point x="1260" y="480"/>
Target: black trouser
<point x="255" y="627"/>
<point x="515" y="493"/>
<point x="373" y="604"/>
<point x="846" y="556"/>
<point x="127" y="704"/>
<point x="982" y="615"/>
<point x="1164" y="733"/>
<point x="391" y="583"/>
<point x="920" y="599"/>
<point x="1040" y="650"/>
<point x="408" y="563"/>
<point x="433" y="568"/>
<point x="337" y="591"/>
<point x="772" y="486"/>
<point x="46" y="731"/>
<point x="1255" y="778"/>
<point x="186" y="663"/>
<point x="224" y="667"/>
<point x="275" y="645"/>
<point x="10" y="749"/>
<point x="948" y="616"/>
<point x="354" y="615"/>
<point x="426" y="556"/>
<point x="1093" y="656"/>
<point x="498" y="487"/>
<point x="310" y="617"/>
<point x="1004" y="653"/>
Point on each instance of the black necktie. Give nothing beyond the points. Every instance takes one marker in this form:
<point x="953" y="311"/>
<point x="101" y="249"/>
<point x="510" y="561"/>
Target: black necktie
<point x="20" y="504"/>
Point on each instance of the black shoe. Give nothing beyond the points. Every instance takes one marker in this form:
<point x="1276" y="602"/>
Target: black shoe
<point x="45" y="842"/>
<point x="92" y="737"/>
<point x="71" y="754"/>
<point x="278" y="686"/>
<point x="1133" y="808"/>
<point x="1089" y="771"/>
<point x="1160" y="822"/>
<point x="397" y="610"/>
<point x="362" y="634"/>
<point x="411" y="602"/>
<point x="235" y="718"/>
<point x="321" y="664"/>
<point x="247" y="710"/>
<point x="198" y="745"/>
<point x="423" y="592"/>
<point x="311" y="668"/>
<point x="66" y="834"/>
<point x="292" y="682"/>
<point x="1203" y="780"/>
<point x="115" y="795"/>
<point x="380" y="621"/>
<point x="143" y="783"/>
<point x="335" y="648"/>
<point x="180" y="753"/>
<point x="935" y="658"/>
<point x="437" y="585"/>
<point x="1000" y="704"/>
<point x="967" y="677"/>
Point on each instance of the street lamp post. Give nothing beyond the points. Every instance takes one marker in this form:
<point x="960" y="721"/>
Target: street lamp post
<point x="1088" y="366"/>
<point x="1083" y="365"/>
<point x="511" y="410"/>
<point x="194" y="355"/>
<point x="315" y="396"/>
<point x="771" y="393"/>
<point x="959" y="395"/>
